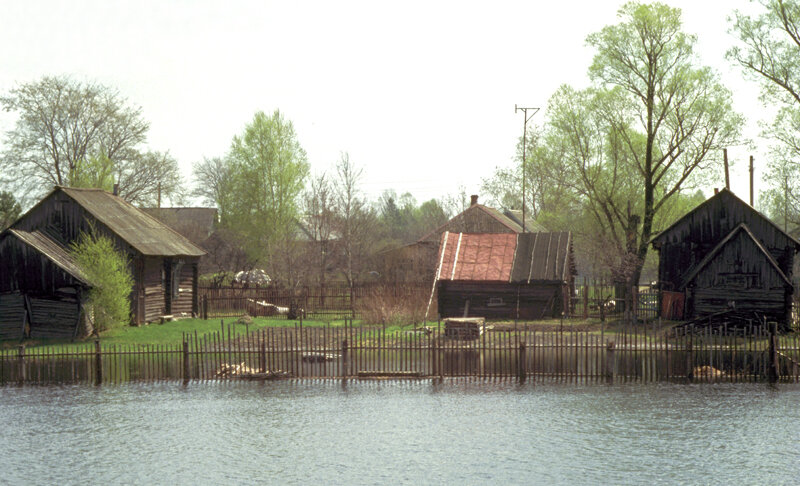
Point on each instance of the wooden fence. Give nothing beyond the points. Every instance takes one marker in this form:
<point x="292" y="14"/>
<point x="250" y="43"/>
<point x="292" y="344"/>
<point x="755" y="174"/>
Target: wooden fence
<point x="351" y="352"/>
<point x="332" y="302"/>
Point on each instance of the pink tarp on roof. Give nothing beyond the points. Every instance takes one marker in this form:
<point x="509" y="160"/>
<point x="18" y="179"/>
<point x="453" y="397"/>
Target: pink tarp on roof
<point x="486" y="257"/>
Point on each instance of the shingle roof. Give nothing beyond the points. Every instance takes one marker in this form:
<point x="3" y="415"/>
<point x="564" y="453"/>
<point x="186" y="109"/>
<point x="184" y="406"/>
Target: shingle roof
<point x="143" y="232"/>
<point x="505" y="257"/>
<point x="51" y="250"/>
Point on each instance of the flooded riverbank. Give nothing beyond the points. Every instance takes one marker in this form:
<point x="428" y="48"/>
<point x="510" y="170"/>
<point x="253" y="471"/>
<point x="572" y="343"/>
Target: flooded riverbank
<point x="411" y="432"/>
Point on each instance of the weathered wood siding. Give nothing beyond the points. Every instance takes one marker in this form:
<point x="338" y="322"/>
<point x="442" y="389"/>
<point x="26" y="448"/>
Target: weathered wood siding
<point x="183" y="305"/>
<point x="740" y="277"/>
<point x="152" y="281"/>
<point x="53" y="317"/>
<point x="537" y="300"/>
<point x="693" y="237"/>
<point x="22" y="268"/>
<point x="12" y="315"/>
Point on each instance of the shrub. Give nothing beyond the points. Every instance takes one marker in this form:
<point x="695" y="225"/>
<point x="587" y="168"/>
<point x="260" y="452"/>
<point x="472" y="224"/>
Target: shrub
<point x="107" y="270"/>
<point x="395" y="305"/>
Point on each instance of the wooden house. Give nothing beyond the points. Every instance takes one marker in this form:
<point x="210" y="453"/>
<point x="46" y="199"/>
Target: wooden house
<point x="416" y="262"/>
<point x="35" y="262"/>
<point x="505" y="276"/>
<point x="725" y="256"/>
<point x="478" y="218"/>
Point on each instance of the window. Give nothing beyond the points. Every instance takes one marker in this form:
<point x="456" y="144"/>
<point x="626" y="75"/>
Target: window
<point x="495" y="302"/>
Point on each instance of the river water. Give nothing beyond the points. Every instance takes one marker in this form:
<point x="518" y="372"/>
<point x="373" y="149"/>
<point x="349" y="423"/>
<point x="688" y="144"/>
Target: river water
<point x="400" y="432"/>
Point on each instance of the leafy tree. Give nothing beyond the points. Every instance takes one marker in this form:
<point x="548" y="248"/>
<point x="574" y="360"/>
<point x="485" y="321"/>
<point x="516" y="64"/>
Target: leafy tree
<point x="61" y="123"/>
<point x="108" y="271"/>
<point x="9" y="209"/>
<point x="647" y="129"/>
<point x="211" y="179"/>
<point x="259" y="193"/>
<point x="770" y="54"/>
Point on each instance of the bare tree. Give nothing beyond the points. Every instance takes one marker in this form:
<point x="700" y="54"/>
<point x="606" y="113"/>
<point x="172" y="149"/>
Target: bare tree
<point x="357" y="222"/>
<point x="62" y="122"/>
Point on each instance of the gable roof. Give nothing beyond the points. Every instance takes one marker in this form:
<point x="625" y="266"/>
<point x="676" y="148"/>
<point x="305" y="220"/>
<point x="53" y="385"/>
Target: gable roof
<point x="51" y="250"/>
<point x="740" y="229"/>
<point x="505" y="257"/>
<point x="492" y="213"/>
<point x="531" y="225"/>
<point x="143" y="232"/>
<point x="724" y="193"/>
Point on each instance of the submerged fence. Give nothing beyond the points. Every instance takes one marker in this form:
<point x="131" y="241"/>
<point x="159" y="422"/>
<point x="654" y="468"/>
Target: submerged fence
<point x="350" y="352"/>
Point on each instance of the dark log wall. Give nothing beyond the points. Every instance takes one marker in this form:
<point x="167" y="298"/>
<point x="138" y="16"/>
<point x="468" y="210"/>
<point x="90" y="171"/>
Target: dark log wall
<point x="499" y="300"/>
<point x="22" y="268"/>
<point x="739" y="276"/>
<point x="696" y="235"/>
<point x="12" y="315"/>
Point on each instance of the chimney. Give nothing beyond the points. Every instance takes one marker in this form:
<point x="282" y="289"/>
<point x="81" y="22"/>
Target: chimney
<point x="116" y="189"/>
<point x="473" y="200"/>
<point x="716" y="191"/>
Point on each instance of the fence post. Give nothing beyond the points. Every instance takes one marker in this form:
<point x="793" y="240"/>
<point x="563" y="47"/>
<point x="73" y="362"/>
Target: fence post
<point x="689" y="358"/>
<point x="774" y="369"/>
<point x="21" y="363"/>
<point x="611" y="361"/>
<point x="521" y="363"/>
<point x="98" y="363"/>
<point x="185" y="363"/>
<point x="634" y="304"/>
<point x="344" y="362"/>
<point x="262" y="355"/>
<point x="205" y="307"/>
<point x="434" y="371"/>
<point x="585" y="301"/>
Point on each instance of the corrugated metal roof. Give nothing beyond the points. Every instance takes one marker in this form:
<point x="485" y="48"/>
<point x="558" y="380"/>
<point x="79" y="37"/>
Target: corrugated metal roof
<point x="140" y="230"/>
<point x="542" y="256"/>
<point x="470" y="256"/>
<point x="516" y="258"/>
<point x="52" y="251"/>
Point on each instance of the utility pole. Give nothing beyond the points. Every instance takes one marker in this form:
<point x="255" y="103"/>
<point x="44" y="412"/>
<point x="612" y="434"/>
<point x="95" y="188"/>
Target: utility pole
<point x="751" y="181"/>
<point x="786" y="204"/>
<point x="524" y="149"/>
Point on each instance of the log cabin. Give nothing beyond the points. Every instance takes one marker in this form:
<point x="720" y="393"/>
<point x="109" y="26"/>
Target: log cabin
<point x="505" y="276"/>
<point x="725" y="256"/>
<point x="35" y="263"/>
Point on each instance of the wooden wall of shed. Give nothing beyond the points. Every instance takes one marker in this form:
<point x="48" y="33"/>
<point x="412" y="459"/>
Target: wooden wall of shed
<point x="184" y="305"/>
<point x="24" y="269"/>
<point x="154" y="305"/>
<point x="64" y="220"/>
<point x="537" y="300"/>
<point x="740" y="273"/>
<point x="695" y="236"/>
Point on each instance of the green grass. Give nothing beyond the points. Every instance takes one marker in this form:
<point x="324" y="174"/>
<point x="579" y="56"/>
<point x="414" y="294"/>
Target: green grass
<point x="168" y="333"/>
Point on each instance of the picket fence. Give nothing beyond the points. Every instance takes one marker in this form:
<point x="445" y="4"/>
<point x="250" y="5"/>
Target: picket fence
<point x="355" y="352"/>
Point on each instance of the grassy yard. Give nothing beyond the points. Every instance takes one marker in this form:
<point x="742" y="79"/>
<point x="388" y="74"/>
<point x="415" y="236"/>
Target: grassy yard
<point x="168" y="333"/>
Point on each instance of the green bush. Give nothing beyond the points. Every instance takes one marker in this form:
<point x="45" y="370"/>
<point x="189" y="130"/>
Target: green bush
<point x="107" y="270"/>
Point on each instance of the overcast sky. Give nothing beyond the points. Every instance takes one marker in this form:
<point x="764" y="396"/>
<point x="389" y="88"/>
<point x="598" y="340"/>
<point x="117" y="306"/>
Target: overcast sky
<point x="421" y="94"/>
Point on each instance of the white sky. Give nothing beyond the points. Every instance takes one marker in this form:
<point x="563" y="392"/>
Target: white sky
<point x="420" y="93"/>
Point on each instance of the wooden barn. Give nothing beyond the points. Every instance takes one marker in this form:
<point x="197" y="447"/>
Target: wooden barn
<point x="505" y="276"/>
<point x="724" y="256"/>
<point x="35" y="263"/>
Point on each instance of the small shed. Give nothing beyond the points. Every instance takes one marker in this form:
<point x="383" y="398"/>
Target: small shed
<point x="163" y="262"/>
<point x="505" y="276"/>
<point x="726" y="256"/>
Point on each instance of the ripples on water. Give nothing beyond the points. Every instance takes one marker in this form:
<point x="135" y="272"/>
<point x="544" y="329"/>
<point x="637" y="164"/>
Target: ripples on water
<point x="400" y="432"/>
